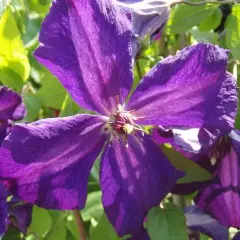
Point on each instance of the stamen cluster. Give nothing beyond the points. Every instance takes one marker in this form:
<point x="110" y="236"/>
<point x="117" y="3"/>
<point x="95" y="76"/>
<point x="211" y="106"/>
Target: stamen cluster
<point x="121" y="124"/>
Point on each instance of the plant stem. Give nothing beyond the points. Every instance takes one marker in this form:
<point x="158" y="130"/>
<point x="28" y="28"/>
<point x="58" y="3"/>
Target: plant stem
<point x="80" y="225"/>
<point x="179" y="201"/>
<point x="235" y="69"/>
<point x="138" y="69"/>
<point x="204" y="2"/>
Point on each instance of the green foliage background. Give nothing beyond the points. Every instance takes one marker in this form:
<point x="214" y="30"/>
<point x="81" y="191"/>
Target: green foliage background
<point x="20" y="22"/>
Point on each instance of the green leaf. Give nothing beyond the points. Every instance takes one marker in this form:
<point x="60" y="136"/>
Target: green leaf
<point x="58" y="230"/>
<point x="33" y="105"/>
<point x="39" y="6"/>
<point x="51" y="93"/>
<point x="199" y="36"/>
<point x="70" y="236"/>
<point x="12" y="234"/>
<point x="41" y="221"/>
<point x="212" y="22"/>
<point x="72" y="226"/>
<point x="103" y="231"/>
<point x="194" y="173"/>
<point x="185" y="17"/>
<point x="232" y="36"/>
<point x="13" y="56"/>
<point x="169" y="223"/>
<point x="69" y="107"/>
<point x="93" y="208"/>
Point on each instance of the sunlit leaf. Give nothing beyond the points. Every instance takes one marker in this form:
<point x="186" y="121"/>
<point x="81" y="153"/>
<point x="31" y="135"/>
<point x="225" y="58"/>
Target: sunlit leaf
<point x="232" y="36"/>
<point x="93" y="208"/>
<point x="103" y="231"/>
<point x="169" y="223"/>
<point x="51" y="93"/>
<point x="41" y="222"/>
<point x="185" y="17"/>
<point x="194" y="173"/>
<point x="212" y="21"/>
<point x="13" y="56"/>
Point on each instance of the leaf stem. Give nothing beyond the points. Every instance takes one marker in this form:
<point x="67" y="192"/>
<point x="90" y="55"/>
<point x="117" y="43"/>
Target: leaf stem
<point x="235" y="69"/>
<point x="204" y="2"/>
<point x="138" y="69"/>
<point x="80" y="225"/>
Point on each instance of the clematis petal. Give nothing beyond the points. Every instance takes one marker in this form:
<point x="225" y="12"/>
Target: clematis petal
<point x="221" y="199"/>
<point x="86" y="44"/>
<point x="237" y="236"/>
<point x="5" y="128"/>
<point x="3" y="210"/>
<point x="199" y="221"/>
<point x="48" y="161"/>
<point x="147" y="16"/>
<point x="134" y="179"/>
<point x="191" y="89"/>
<point x="142" y="235"/>
<point x="19" y="113"/>
<point x="9" y="101"/>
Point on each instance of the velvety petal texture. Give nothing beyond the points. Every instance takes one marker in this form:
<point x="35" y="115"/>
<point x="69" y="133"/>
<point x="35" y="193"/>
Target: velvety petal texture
<point x="86" y="44"/>
<point x="134" y="179"/>
<point x="190" y="89"/>
<point x="9" y="101"/>
<point x="199" y="221"/>
<point x="48" y="161"/>
<point x="221" y="198"/>
<point x="3" y="210"/>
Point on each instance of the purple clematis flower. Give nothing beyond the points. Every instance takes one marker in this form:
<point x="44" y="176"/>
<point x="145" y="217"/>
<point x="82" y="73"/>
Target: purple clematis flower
<point x="11" y="109"/>
<point x="218" y="197"/>
<point x="87" y="45"/>
<point x="13" y="213"/>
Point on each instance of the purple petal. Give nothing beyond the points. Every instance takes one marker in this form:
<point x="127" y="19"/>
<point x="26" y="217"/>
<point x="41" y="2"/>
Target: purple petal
<point x="134" y="179"/>
<point x="48" y="161"/>
<point x="199" y="221"/>
<point x="19" y="113"/>
<point x="86" y="44"/>
<point x="221" y="198"/>
<point x="3" y="210"/>
<point x="148" y="17"/>
<point x="237" y="236"/>
<point x="5" y="127"/>
<point x="142" y="235"/>
<point x="9" y="101"/>
<point x="22" y="214"/>
<point x="190" y="89"/>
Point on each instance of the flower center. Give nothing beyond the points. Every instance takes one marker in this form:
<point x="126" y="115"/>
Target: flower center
<point x="120" y="124"/>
